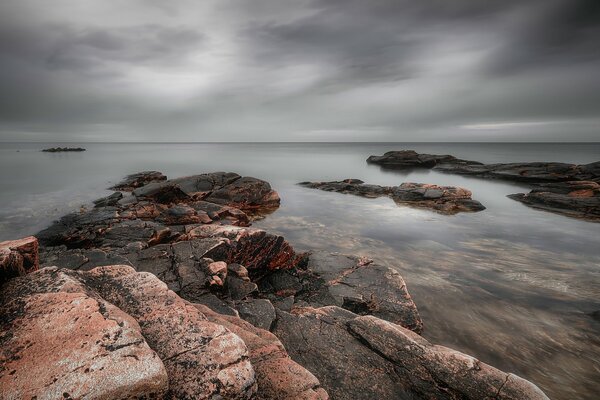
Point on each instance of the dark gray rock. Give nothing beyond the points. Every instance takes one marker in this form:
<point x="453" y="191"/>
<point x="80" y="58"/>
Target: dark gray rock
<point x="578" y="199"/>
<point x="138" y="180"/>
<point x="442" y="199"/>
<point x="345" y="352"/>
<point x="238" y="288"/>
<point x="259" y="312"/>
<point x="110" y="200"/>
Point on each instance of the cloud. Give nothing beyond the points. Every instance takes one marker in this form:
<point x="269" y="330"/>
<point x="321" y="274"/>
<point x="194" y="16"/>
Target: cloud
<point x="302" y="70"/>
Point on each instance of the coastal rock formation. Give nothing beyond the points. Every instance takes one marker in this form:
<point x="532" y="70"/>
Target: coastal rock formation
<point x="567" y="189"/>
<point x="196" y="299"/>
<point x="442" y="199"/>
<point x="128" y="336"/>
<point x="532" y="172"/>
<point x="62" y="149"/>
<point x="18" y="257"/>
<point x="579" y="199"/>
<point x="403" y="159"/>
<point x="346" y="352"/>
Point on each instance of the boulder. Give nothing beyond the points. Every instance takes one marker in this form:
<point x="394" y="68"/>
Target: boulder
<point x="259" y="312"/>
<point x="346" y="351"/>
<point x="578" y="199"/>
<point x="18" y="257"/>
<point x="57" y="341"/>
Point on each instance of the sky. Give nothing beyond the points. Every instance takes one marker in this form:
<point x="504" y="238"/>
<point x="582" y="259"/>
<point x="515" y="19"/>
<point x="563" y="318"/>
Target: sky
<point x="299" y="70"/>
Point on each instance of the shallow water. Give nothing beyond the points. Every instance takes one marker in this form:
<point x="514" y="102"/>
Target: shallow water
<point x="510" y="285"/>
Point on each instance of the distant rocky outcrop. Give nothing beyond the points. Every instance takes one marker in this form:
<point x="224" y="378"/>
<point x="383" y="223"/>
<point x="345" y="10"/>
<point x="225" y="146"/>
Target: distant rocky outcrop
<point x="567" y="189"/>
<point x="166" y="293"/>
<point x="62" y="149"/>
<point x="531" y="172"/>
<point x="579" y="199"/>
<point x="442" y="199"/>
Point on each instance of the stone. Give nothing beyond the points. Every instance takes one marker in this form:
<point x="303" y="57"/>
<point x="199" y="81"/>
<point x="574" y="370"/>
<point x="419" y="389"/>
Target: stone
<point x="246" y="194"/>
<point x="239" y="289"/>
<point x="110" y="200"/>
<point x="259" y="312"/>
<point x="443" y="199"/>
<point x="361" y="285"/>
<point x="238" y="270"/>
<point x="138" y="180"/>
<point x="532" y="172"/>
<point x="217" y="268"/>
<point x="277" y="375"/>
<point x="18" y="257"/>
<point x="578" y="199"/>
<point x="345" y="352"/>
<point x="72" y="345"/>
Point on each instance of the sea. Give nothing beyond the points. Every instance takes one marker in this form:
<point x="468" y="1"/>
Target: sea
<point x="512" y="286"/>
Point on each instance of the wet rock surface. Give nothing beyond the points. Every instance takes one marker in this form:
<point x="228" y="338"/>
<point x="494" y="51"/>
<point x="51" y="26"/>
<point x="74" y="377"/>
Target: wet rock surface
<point x="578" y="199"/>
<point x="567" y="189"/>
<point x="533" y="172"/>
<point x="442" y="199"/>
<point x="346" y="351"/>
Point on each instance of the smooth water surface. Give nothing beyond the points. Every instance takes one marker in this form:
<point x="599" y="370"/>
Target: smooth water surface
<point x="510" y="285"/>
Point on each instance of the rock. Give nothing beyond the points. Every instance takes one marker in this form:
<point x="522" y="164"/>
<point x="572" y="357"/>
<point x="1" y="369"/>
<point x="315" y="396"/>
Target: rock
<point x="411" y="159"/>
<point x="578" y="199"/>
<point x="62" y="149"/>
<point x="111" y="200"/>
<point x="59" y="342"/>
<point x="138" y="180"/>
<point x="217" y="268"/>
<point x="259" y="312"/>
<point x="533" y="172"/>
<point x="278" y="377"/>
<point x="188" y="344"/>
<point x="282" y="283"/>
<point x="349" y="281"/>
<point x="442" y="199"/>
<point x="246" y="194"/>
<point x="217" y="305"/>
<point x="238" y="270"/>
<point x="386" y="361"/>
<point x="239" y="289"/>
<point x="18" y="257"/>
<point x="283" y="303"/>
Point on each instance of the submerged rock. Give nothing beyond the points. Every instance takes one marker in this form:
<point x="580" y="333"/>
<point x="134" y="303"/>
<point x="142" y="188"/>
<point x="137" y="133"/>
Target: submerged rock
<point x="579" y="199"/>
<point x="346" y="351"/>
<point x="442" y="199"/>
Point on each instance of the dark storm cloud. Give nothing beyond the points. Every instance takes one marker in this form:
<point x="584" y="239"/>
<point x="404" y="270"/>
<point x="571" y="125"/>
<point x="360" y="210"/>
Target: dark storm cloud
<point x="301" y="70"/>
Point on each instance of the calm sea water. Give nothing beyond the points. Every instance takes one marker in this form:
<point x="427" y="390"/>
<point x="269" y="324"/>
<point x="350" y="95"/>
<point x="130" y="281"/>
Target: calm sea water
<point x="510" y="285"/>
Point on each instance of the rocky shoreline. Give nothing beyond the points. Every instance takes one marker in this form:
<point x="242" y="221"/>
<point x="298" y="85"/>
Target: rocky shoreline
<point x="568" y="189"/>
<point x="163" y="290"/>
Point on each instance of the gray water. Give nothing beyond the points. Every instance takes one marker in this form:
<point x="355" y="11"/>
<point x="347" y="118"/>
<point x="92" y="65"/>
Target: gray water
<point x="511" y="285"/>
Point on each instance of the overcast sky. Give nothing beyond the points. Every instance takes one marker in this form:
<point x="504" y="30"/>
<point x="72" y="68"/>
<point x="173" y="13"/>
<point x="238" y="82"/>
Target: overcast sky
<point x="300" y="70"/>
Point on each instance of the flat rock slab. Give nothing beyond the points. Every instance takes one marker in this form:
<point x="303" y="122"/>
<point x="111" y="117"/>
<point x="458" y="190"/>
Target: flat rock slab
<point x="362" y="286"/>
<point x="578" y="199"/>
<point x="139" y="179"/>
<point x="533" y="172"/>
<point x="71" y="345"/>
<point x="386" y="361"/>
<point x="442" y="199"/>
